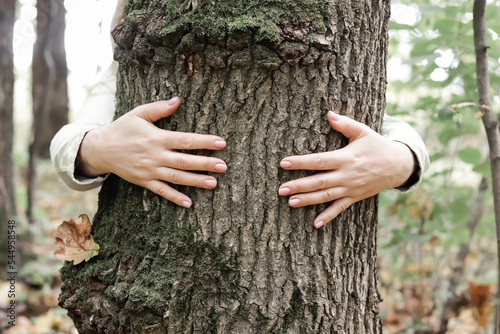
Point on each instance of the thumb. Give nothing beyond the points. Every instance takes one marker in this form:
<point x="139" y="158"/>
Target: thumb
<point x="154" y="111"/>
<point x="345" y="125"/>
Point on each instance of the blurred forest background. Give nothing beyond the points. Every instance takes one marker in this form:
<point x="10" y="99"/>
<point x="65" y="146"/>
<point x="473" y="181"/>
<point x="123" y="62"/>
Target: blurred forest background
<point x="437" y="245"/>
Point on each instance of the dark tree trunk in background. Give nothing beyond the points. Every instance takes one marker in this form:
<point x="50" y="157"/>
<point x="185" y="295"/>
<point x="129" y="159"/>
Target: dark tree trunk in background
<point x="50" y="89"/>
<point x="261" y="74"/>
<point x="7" y="200"/>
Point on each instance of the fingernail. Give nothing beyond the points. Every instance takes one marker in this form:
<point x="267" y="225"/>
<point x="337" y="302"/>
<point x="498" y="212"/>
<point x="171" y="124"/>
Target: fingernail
<point x="172" y="101"/>
<point x="294" y="202"/>
<point x="220" y="143"/>
<point x="186" y="204"/>
<point x="319" y="224"/>
<point x="286" y="164"/>
<point x="333" y="116"/>
<point x="220" y="167"/>
<point x="284" y="191"/>
<point x="211" y="183"/>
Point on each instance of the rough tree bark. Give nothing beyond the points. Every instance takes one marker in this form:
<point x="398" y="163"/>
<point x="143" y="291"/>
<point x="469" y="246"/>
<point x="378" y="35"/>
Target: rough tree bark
<point x="261" y="74"/>
<point x="7" y="200"/>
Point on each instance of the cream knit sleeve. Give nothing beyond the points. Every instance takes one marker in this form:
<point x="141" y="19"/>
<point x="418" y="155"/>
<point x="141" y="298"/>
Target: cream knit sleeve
<point x="98" y="110"/>
<point x="398" y="130"/>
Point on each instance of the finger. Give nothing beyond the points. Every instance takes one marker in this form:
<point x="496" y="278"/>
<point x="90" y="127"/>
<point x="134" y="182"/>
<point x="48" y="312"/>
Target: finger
<point x="192" y="141"/>
<point x="169" y="193"/>
<point x="333" y="211"/>
<point x="315" y="161"/>
<point x="184" y="161"/>
<point x="347" y="126"/>
<point x="154" y="111"/>
<point x="310" y="183"/>
<point x="316" y="197"/>
<point x="186" y="178"/>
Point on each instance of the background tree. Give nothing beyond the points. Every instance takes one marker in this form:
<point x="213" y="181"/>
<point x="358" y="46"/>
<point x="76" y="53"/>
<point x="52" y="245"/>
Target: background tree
<point x="49" y="88"/>
<point x="262" y="75"/>
<point x="7" y="200"/>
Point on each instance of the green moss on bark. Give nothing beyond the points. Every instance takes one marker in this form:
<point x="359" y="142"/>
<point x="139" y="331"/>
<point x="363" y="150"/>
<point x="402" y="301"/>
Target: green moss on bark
<point x="154" y="266"/>
<point x="220" y="19"/>
<point x="185" y="270"/>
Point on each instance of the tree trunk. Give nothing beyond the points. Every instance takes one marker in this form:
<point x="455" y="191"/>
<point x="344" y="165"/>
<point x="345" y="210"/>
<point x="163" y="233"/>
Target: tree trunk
<point x="50" y="88"/>
<point x="261" y="74"/>
<point x="7" y="200"/>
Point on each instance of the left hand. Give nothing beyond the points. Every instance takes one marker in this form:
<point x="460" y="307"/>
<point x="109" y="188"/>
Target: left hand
<point x="369" y="164"/>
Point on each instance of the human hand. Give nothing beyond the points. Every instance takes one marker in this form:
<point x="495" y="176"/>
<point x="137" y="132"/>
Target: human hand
<point x="133" y="148"/>
<point x="369" y="164"/>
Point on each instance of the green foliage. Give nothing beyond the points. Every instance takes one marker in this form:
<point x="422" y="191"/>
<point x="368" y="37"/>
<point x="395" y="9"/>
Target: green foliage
<point x="421" y="228"/>
<point x="470" y="155"/>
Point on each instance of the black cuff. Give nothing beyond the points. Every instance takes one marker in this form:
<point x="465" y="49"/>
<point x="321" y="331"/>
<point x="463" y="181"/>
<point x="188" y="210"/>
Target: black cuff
<point x="414" y="177"/>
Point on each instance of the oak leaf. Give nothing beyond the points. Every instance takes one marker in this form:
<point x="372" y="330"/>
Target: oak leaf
<point x="75" y="241"/>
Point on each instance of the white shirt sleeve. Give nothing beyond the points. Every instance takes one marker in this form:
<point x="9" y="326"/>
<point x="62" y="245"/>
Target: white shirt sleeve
<point x="398" y="130"/>
<point x="98" y="110"/>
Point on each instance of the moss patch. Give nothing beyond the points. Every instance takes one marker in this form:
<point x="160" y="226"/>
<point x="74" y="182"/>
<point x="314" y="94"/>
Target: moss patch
<point x="219" y="19"/>
<point x="151" y="265"/>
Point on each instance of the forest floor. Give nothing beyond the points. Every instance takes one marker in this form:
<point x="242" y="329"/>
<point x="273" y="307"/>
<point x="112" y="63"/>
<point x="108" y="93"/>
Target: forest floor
<point x="409" y="303"/>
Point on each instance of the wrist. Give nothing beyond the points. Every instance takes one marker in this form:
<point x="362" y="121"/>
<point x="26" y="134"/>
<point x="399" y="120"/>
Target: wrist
<point x="86" y="163"/>
<point x="408" y="167"/>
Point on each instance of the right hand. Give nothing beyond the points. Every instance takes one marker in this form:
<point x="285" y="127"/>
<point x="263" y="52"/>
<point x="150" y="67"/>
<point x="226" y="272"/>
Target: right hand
<point x="369" y="164"/>
<point x="133" y="148"/>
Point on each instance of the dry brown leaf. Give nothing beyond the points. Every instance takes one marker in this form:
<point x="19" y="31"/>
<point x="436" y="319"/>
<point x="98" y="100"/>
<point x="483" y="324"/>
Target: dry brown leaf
<point x="480" y="296"/>
<point x="75" y="241"/>
<point x="482" y="111"/>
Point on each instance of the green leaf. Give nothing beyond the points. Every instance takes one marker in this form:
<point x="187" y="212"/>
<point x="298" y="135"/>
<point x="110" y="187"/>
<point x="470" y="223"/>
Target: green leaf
<point x="484" y="169"/>
<point x="445" y="114"/>
<point x="445" y="135"/>
<point x="470" y="155"/>
<point x="457" y="236"/>
<point x="437" y="156"/>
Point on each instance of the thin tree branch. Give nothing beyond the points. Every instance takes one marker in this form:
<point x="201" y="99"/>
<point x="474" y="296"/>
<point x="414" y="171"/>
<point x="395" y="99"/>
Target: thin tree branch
<point x="489" y="120"/>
